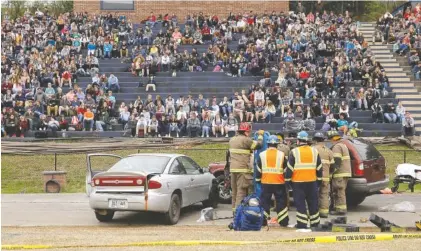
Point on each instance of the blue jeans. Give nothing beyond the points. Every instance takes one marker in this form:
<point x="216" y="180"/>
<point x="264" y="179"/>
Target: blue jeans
<point x="205" y="131"/>
<point x="400" y="118"/>
<point x="268" y="117"/>
<point x="174" y="128"/>
<point x="90" y="123"/>
<point x="99" y="125"/>
<point x="226" y="110"/>
<point x="107" y="54"/>
<point x="390" y="117"/>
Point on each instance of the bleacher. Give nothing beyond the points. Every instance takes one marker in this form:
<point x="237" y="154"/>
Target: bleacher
<point x="212" y="84"/>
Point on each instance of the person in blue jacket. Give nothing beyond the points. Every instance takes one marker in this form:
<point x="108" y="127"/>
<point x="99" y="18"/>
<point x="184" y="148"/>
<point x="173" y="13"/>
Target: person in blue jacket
<point x="107" y="50"/>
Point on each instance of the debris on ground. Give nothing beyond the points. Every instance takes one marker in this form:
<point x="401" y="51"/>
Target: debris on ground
<point x="363" y="220"/>
<point x="207" y="214"/>
<point x="404" y="206"/>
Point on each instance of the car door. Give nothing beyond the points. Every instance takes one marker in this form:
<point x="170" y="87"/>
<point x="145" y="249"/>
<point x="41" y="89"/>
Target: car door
<point x="97" y="163"/>
<point x="199" y="182"/>
<point x="179" y="179"/>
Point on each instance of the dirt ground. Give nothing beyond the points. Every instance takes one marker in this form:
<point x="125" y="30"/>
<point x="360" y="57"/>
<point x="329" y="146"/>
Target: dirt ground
<point x="117" y="235"/>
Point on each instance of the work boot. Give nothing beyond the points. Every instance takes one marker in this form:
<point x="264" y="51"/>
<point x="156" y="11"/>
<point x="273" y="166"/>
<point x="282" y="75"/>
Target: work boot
<point x="324" y="216"/>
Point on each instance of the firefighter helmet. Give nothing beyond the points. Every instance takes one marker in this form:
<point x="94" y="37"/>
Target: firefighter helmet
<point x="302" y="136"/>
<point x="244" y="127"/>
<point x="273" y="140"/>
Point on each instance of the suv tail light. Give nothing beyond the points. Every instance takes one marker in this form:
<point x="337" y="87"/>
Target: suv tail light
<point x="359" y="171"/>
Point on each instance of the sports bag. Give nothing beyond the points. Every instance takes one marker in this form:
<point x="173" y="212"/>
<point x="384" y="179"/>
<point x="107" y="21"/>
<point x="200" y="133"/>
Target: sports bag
<point x="249" y="215"/>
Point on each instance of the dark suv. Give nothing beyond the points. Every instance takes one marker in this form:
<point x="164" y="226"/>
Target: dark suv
<point x="368" y="172"/>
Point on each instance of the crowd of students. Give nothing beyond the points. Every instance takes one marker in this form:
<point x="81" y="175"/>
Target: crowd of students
<point x="319" y="58"/>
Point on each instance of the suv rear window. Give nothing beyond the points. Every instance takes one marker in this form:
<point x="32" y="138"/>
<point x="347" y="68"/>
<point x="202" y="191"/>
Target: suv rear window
<point x="366" y="151"/>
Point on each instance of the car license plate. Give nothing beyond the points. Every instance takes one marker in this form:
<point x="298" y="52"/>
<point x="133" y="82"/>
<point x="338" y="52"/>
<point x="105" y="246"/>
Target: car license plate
<point x="118" y="204"/>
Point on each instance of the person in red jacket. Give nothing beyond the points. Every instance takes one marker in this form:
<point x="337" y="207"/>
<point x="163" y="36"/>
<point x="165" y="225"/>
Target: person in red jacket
<point x="206" y="33"/>
<point x="151" y="20"/>
<point x="304" y="74"/>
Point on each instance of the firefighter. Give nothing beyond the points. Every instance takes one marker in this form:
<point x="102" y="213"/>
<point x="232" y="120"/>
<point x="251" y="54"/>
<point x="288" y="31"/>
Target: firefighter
<point x="326" y="156"/>
<point x="270" y="173"/>
<point x="283" y="147"/>
<point x="341" y="172"/>
<point x="238" y="159"/>
<point x="305" y="173"/>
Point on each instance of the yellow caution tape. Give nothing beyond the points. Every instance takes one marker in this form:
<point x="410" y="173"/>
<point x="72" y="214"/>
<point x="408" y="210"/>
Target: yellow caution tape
<point x="315" y="239"/>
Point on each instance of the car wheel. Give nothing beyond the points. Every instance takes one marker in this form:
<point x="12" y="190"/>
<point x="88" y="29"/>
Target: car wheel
<point x="354" y="200"/>
<point x="225" y="195"/>
<point x="173" y="214"/>
<point x="108" y="216"/>
<point x="213" y="199"/>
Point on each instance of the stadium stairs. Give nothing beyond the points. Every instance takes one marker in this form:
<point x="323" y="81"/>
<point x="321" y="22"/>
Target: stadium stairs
<point x="401" y="79"/>
<point x="219" y="84"/>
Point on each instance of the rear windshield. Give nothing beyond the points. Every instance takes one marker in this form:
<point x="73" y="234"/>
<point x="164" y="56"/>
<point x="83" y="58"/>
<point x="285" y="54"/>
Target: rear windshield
<point x="147" y="164"/>
<point x="366" y="151"/>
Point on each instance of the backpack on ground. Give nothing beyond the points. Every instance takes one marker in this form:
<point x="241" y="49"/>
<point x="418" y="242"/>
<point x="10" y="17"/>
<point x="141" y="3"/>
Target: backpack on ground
<point x="249" y="215"/>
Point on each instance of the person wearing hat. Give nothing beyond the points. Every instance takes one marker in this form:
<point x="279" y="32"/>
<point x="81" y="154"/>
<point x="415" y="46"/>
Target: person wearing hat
<point x="326" y="156"/>
<point x="238" y="162"/>
<point x="341" y="172"/>
<point x="304" y="173"/>
<point x="270" y="173"/>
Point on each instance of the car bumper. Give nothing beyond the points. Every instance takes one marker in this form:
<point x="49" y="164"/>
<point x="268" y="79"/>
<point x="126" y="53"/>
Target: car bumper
<point x="360" y="186"/>
<point x="135" y="202"/>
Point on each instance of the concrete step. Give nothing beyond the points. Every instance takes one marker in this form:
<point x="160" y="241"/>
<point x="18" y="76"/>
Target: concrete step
<point x="400" y="80"/>
<point x="408" y="91"/>
<point x="378" y="55"/>
<point x="404" y="96"/>
<point x="367" y="24"/>
<point x="379" y="45"/>
<point x="396" y="74"/>
<point x="386" y="60"/>
<point x="412" y="102"/>
<point x="397" y="85"/>
<point x="385" y="65"/>
<point x="393" y="69"/>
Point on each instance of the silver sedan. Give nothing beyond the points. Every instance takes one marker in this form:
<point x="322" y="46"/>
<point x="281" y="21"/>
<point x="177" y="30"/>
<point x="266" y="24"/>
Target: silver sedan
<point x="149" y="182"/>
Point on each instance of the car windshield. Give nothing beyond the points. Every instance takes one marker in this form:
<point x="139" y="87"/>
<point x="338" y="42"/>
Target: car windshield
<point x="366" y="150"/>
<point x="143" y="163"/>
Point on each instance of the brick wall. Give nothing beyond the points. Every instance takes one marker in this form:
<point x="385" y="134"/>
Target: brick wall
<point x="182" y="8"/>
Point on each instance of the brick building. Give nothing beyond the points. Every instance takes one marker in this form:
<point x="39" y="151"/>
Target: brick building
<point x="137" y="10"/>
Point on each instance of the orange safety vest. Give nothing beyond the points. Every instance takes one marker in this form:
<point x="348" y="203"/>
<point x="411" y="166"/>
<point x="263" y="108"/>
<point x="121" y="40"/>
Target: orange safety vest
<point x="272" y="166"/>
<point x="305" y="166"/>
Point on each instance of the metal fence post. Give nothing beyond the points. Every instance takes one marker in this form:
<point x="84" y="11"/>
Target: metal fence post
<point x="55" y="161"/>
<point x="404" y="156"/>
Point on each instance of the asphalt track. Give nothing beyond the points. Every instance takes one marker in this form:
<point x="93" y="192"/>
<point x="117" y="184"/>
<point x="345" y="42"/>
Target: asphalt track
<point x="73" y="210"/>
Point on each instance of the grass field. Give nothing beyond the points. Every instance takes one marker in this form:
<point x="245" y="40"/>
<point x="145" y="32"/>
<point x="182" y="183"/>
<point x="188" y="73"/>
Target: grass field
<point x="23" y="173"/>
